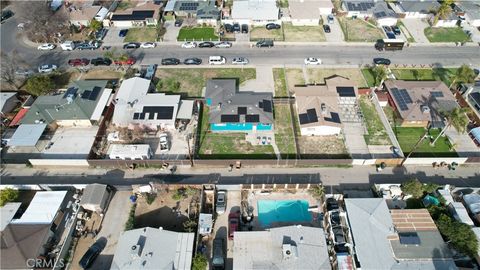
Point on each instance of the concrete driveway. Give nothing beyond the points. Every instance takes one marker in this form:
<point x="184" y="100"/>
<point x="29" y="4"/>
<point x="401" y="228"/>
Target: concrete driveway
<point x="263" y="81"/>
<point x="336" y="33"/>
<point x="464" y="146"/>
<point x="112" y="38"/>
<point x="416" y="28"/>
<point x="354" y="140"/>
<point x="172" y="31"/>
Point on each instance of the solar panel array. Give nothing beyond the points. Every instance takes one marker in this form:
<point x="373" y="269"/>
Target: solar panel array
<point x="70" y="91"/>
<point x="309" y="117"/>
<point x="266" y="105"/>
<point x="162" y="113"/>
<point x="346" y="91"/>
<point x="402" y="98"/>
<point x="91" y="94"/>
<point x="252" y="118"/>
<point x="188" y="6"/>
<point x="436" y="94"/>
<point x="362" y="6"/>
<point x="229" y="118"/>
<point x="334" y="118"/>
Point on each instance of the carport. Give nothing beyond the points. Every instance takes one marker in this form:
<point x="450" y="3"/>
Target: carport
<point x="27" y="135"/>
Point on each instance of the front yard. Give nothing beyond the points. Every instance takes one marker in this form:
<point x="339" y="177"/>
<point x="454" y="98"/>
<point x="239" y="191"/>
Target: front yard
<point x="408" y="137"/>
<point x="318" y="75"/>
<point x="284" y="134"/>
<point x="280" y="82"/>
<point x="143" y="34"/>
<point x="444" y="34"/>
<point x="357" y="30"/>
<point x="197" y="34"/>
<point x="368" y="76"/>
<point x="376" y="131"/>
<point x="425" y="74"/>
<point x="189" y="82"/>
<point x="260" y="32"/>
<point x="303" y="33"/>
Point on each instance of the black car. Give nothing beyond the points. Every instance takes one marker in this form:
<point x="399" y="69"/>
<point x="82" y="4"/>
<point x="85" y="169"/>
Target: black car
<point x="381" y="61"/>
<point x="100" y="34"/>
<point x="326" y="28"/>
<point x="271" y="26"/>
<point x="92" y="253"/>
<point x="265" y="43"/>
<point x="192" y="61"/>
<point x="132" y="45"/>
<point x="170" y="61"/>
<point x="244" y="28"/>
<point x="101" y="61"/>
<point x="236" y="28"/>
<point x="228" y="28"/>
<point x="396" y="30"/>
<point x="178" y="22"/>
<point x="206" y="44"/>
<point x="6" y="14"/>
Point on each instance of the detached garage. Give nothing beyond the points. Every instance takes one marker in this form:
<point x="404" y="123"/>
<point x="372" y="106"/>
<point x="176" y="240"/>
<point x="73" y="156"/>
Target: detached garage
<point x="95" y="198"/>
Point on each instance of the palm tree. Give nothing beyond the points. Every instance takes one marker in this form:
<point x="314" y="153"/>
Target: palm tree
<point x="464" y="74"/>
<point x="456" y="118"/>
<point x="380" y="73"/>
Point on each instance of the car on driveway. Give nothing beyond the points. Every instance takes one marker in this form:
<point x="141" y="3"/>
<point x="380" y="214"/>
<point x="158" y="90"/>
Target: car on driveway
<point x="178" y="22"/>
<point x="129" y="61"/>
<point x="381" y="61"/>
<point x="330" y="18"/>
<point x="228" y="28"/>
<point x="47" y="68"/>
<point x="218" y="258"/>
<point x="233" y="224"/>
<point x="46" y="47"/>
<point x="236" y="28"/>
<point x="312" y="61"/>
<point x="326" y="28"/>
<point x="100" y="34"/>
<point x="123" y="33"/>
<point x="271" y="26"/>
<point x="206" y="44"/>
<point x="91" y="254"/>
<point x="223" y="44"/>
<point x="396" y="30"/>
<point x="148" y="45"/>
<point x="78" y="62"/>
<point x="131" y="45"/>
<point x="239" y="61"/>
<point x="245" y="28"/>
<point x="170" y="61"/>
<point x="101" y="61"/>
<point x="189" y="45"/>
<point x="221" y="204"/>
<point x="192" y="61"/>
<point x="390" y="35"/>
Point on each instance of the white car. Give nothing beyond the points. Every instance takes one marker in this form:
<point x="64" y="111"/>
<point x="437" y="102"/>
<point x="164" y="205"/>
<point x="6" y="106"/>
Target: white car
<point x="148" y="45"/>
<point x="312" y="61"/>
<point x="46" y="47"/>
<point x="240" y="61"/>
<point x="189" y="45"/>
<point x="164" y="145"/>
<point x="47" y="68"/>
<point x="223" y="44"/>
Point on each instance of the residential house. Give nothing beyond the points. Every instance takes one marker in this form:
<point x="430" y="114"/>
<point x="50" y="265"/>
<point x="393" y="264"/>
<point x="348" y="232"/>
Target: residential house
<point x="139" y="249"/>
<point x="144" y="14"/>
<point x="205" y="11"/>
<point x="233" y="111"/>
<point x="420" y="103"/>
<point x="470" y="10"/>
<point x="318" y="106"/>
<point x="365" y="9"/>
<point x="8" y="102"/>
<point x="82" y="16"/>
<point x="138" y="104"/>
<point x="414" y="8"/>
<point x="451" y="20"/>
<point x="81" y="105"/>
<point x="309" y="12"/>
<point x="290" y="247"/>
<point x="95" y="198"/>
<point x="471" y="94"/>
<point x="255" y="12"/>
<point x="395" y="239"/>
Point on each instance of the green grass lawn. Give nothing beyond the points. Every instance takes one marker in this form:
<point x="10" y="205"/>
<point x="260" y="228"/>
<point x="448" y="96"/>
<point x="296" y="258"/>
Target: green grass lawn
<point x="143" y="34"/>
<point x="377" y="135"/>
<point x="445" y="34"/>
<point x="197" y="34"/>
<point x="408" y="137"/>
<point x="303" y="33"/>
<point x="284" y="134"/>
<point x="369" y="76"/>
<point x="280" y="82"/>
<point x="425" y="74"/>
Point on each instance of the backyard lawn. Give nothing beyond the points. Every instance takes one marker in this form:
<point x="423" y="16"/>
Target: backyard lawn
<point x="303" y="33"/>
<point x="284" y="134"/>
<point x="444" y="34"/>
<point x="197" y="34"/>
<point x="425" y="74"/>
<point x="318" y="75"/>
<point x="280" y="82"/>
<point x="377" y="135"/>
<point x="356" y="30"/>
<point x="189" y="82"/>
<point x="408" y="137"/>
<point x="144" y="34"/>
<point x="260" y="32"/>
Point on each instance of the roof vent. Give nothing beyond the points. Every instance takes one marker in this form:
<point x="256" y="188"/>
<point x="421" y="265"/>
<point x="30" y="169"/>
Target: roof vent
<point x="425" y="109"/>
<point x="324" y="109"/>
<point x="289" y="252"/>
<point x="135" y="250"/>
<point x="70" y="98"/>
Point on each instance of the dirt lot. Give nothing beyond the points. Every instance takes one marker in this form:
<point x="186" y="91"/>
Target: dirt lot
<point x="318" y="75"/>
<point x="260" y="32"/>
<point x="303" y="33"/>
<point x="357" y="30"/>
<point x="294" y="76"/>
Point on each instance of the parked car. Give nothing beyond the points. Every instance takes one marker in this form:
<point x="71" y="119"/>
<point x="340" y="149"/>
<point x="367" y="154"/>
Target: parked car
<point x="236" y="28"/>
<point x="221" y="204"/>
<point x="330" y="18"/>
<point x="264" y="43"/>
<point x="78" y="62"/>
<point x="91" y="254"/>
<point x="192" y="61"/>
<point x="46" y="47"/>
<point x="170" y="61"/>
<point x="101" y="61"/>
<point x="218" y="258"/>
<point x="233" y="224"/>
<point x="271" y="26"/>
<point x="149" y="74"/>
<point x="390" y="35"/>
<point x="100" y="34"/>
<point x="6" y="14"/>
<point x="92" y="45"/>
<point x="326" y="28"/>
<point x="239" y="61"/>
<point x="244" y="28"/>
<point x="178" y="22"/>
<point x="381" y="61"/>
<point x="206" y="44"/>
<point x="164" y="145"/>
<point x="148" y="45"/>
<point x="129" y="61"/>
<point x="24" y="72"/>
<point x="387" y="28"/>
<point x="131" y="45"/>
<point x="223" y="44"/>
<point x="312" y="61"/>
<point x="228" y="28"/>
<point x="47" y="68"/>
<point x="123" y="33"/>
<point x="189" y="45"/>
<point x="332" y="204"/>
<point x="396" y="30"/>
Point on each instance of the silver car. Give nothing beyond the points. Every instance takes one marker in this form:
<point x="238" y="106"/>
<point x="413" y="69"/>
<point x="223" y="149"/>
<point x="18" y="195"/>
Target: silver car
<point x="223" y="44"/>
<point x="47" y="68"/>
<point x="240" y="61"/>
<point x="221" y="204"/>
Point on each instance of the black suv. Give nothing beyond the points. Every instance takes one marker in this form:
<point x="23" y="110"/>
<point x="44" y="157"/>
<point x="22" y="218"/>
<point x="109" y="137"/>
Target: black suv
<point x="131" y="45"/>
<point x="381" y="61"/>
<point x="236" y="28"/>
<point x="264" y="43"/>
<point x="206" y="44"/>
<point x="170" y="61"/>
<point x="271" y="26"/>
<point x="192" y="61"/>
<point x="228" y="28"/>
<point x="244" y="28"/>
<point x="92" y="253"/>
<point x="326" y="28"/>
<point x="101" y="61"/>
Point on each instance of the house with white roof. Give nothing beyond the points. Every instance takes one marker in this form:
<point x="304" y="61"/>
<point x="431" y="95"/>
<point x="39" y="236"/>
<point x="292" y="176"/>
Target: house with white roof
<point x="255" y="12"/>
<point x="308" y="12"/>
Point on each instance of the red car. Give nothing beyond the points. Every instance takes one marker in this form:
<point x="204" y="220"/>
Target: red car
<point x="78" y="62"/>
<point x="129" y="61"/>
<point x="233" y="224"/>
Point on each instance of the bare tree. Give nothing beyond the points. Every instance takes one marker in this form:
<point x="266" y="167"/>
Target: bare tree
<point x="10" y="65"/>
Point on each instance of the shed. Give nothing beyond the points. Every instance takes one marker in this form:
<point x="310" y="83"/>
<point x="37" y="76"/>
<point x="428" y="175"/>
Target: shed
<point x="95" y="197"/>
<point x="27" y="135"/>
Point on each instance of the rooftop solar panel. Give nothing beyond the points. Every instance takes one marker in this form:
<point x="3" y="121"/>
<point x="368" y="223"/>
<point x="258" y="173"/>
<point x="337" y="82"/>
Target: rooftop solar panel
<point x="409" y="238"/>
<point x="267" y="105"/>
<point x="86" y="94"/>
<point x="95" y="92"/>
<point x="137" y="15"/>
<point x="402" y="98"/>
<point x="334" y="117"/>
<point x="476" y="97"/>
<point x="229" y="118"/>
<point x="136" y="116"/>
<point x="303" y="117"/>
<point x="346" y="91"/>
<point x="142" y="116"/>
<point x="242" y="110"/>
<point x="70" y="91"/>
<point x="252" y="118"/>
<point x="163" y="112"/>
<point x="309" y="117"/>
<point x="436" y="93"/>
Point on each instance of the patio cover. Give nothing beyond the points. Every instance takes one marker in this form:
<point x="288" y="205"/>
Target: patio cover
<point x="27" y="135"/>
<point x="476" y="134"/>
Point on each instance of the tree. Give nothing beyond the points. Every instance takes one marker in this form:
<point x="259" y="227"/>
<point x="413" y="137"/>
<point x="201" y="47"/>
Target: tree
<point x="39" y="85"/>
<point x="8" y="195"/>
<point x="456" y="118"/>
<point x="317" y="192"/>
<point x="413" y="187"/>
<point x="380" y="73"/>
<point x="459" y="234"/>
<point x="464" y="74"/>
<point x="95" y="25"/>
<point x="10" y="65"/>
<point x="443" y="11"/>
<point x="199" y="262"/>
<point x="189" y="225"/>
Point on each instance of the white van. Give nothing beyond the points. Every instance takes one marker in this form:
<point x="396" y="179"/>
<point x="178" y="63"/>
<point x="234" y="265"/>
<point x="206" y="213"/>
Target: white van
<point x="68" y="46"/>
<point x="217" y="60"/>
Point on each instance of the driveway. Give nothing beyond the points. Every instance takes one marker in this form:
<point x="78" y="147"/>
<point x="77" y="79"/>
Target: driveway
<point x="474" y="30"/>
<point x="464" y="145"/>
<point x="112" y="38"/>
<point x="263" y="82"/>
<point x="354" y="140"/>
<point x="416" y="28"/>
<point x="172" y="31"/>
<point x="336" y="33"/>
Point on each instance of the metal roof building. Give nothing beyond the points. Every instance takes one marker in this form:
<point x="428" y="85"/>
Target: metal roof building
<point x="43" y="208"/>
<point x="94" y="197"/>
<point x="27" y="135"/>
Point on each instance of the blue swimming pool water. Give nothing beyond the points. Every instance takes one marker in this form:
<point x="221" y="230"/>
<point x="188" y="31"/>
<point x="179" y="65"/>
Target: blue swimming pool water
<point x="270" y="211"/>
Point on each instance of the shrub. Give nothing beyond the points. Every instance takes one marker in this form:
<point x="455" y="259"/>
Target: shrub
<point x="130" y="224"/>
<point x="8" y="195"/>
<point x="459" y="234"/>
<point x="199" y="262"/>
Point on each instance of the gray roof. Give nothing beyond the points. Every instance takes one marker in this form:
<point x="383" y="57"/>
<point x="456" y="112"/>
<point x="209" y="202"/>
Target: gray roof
<point x="264" y="249"/>
<point x="419" y="6"/>
<point x="255" y="10"/>
<point x="471" y="8"/>
<point x="4" y="97"/>
<point x="381" y="10"/>
<point x="7" y="213"/>
<point x="86" y="95"/>
<point x="27" y="135"/>
<point x="225" y="99"/>
<point x="155" y="249"/>
<point x="93" y="194"/>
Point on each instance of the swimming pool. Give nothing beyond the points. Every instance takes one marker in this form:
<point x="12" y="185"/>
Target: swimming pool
<point x="270" y="211"/>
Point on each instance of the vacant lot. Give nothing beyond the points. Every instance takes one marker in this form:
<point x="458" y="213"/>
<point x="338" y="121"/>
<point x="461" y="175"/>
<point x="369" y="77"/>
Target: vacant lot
<point x="294" y="77"/>
<point x="189" y="82"/>
<point x="357" y="30"/>
<point x="303" y="33"/>
<point x="408" y="137"/>
<point x="318" y="75"/>
<point x="425" y="74"/>
<point x="280" y="82"/>
<point x="197" y="33"/>
<point x="144" y="34"/>
<point x="376" y="131"/>
<point x="444" y="34"/>
<point x="284" y="134"/>
<point x="260" y="32"/>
